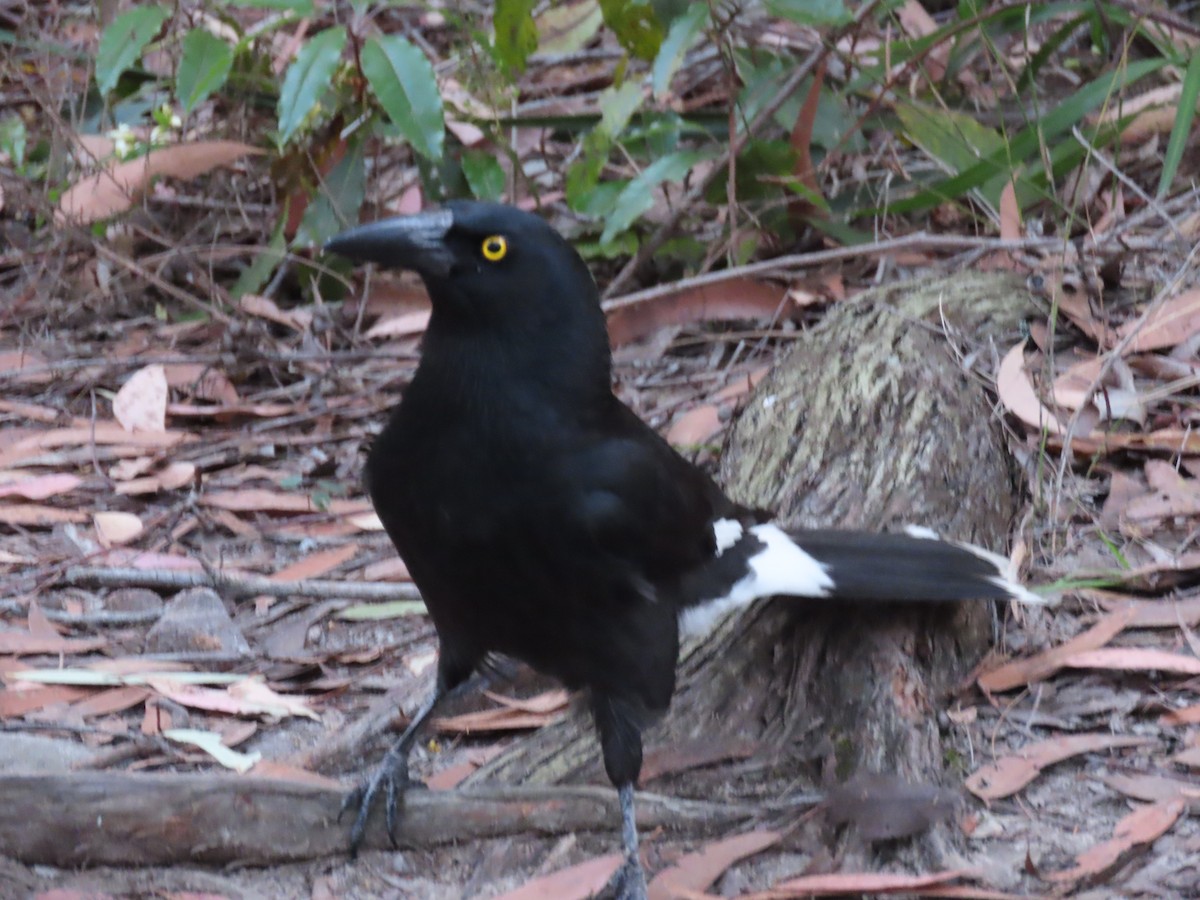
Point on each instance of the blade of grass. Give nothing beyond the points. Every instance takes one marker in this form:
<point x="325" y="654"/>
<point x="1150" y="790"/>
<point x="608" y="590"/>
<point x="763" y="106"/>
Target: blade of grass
<point x="1182" y="129"/>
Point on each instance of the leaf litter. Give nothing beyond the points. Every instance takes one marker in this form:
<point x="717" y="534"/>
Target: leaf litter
<point x="230" y="457"/>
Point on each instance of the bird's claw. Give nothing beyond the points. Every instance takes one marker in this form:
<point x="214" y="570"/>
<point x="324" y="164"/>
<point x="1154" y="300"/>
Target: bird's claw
<point x="393" y="780"/>
<point x="627" y="883"/>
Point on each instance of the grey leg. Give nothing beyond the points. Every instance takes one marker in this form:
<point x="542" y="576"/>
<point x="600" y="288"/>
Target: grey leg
<point x="629" y="881"/>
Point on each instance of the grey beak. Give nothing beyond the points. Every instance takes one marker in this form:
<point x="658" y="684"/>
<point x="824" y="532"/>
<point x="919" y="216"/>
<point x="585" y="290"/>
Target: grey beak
<point x="416" y="242"/>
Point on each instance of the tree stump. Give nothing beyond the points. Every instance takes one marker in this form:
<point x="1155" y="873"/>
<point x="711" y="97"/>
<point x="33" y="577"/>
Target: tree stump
<point x="869" y="422"/>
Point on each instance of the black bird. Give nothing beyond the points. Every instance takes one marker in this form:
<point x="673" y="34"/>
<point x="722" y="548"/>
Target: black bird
<point x="541" y="519"/>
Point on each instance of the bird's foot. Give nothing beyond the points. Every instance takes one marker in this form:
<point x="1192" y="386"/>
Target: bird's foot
<point x="392" y="780"/>
<point x="628" y="882"/>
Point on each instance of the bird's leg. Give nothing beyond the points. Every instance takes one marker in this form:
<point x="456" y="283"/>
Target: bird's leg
<point x="392" y="774"/>
<point x="629" y="881"/>
<point x="621" y="746"/>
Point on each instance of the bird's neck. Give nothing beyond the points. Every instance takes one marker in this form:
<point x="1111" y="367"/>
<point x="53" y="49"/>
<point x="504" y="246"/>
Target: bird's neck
<point x="483" y="373"/>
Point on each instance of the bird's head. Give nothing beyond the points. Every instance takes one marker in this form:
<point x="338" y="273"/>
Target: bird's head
<point x="487" y="267"/>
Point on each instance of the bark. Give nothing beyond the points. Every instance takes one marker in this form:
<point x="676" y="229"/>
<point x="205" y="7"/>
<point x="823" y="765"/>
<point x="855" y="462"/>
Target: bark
<point x="869" y="422"/>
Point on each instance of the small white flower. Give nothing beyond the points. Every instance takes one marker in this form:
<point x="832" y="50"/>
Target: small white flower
<point x="158" y="135"/>
<point x="123" y="140"/>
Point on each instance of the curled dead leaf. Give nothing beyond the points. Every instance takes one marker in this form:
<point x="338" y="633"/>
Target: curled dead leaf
<point x="1018" y="396"/>
<point x="121" y="184"/>
<point x="116" y="528"/>
<point x="141" y="403"/>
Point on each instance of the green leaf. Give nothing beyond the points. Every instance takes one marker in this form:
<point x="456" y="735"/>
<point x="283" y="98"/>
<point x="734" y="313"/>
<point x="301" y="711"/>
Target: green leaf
<point x="123" y="41"/>
<point x="516" y="34"/>
<point x="568" y="27"/>
<point x="682" y="34"/>
<point x="308" y="78"/>
<point x="369" y="612"/>
<point x="402" y="79"/>
<point x="811" y="12"/>
<point x="955" y="139"/>
<point x="635" y="25"/>
<point x="617" y="106"/>
<point x="1027" y="141"/>
<point x="13" y="137"/>
<point x="638" y="195"/>
<point x="335" y="207"/>
<point x="203" y="68"/>
<point x="483" y="174"/>
<point x="1178" y="141"/>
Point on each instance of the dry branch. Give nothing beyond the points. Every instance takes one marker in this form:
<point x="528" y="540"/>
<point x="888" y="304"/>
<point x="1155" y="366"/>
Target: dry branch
<point x="91" y="819"/>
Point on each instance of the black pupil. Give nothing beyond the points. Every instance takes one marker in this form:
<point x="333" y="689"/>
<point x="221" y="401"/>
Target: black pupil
<point x="493" y="246"/>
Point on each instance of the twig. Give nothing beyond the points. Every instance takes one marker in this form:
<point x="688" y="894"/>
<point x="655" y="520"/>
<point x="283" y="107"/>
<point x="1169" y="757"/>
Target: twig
<point x="238" y="585"/>
<point x="721" y="163"/>
<point x="1129" y="183"/>
<point x="918" y="241"/>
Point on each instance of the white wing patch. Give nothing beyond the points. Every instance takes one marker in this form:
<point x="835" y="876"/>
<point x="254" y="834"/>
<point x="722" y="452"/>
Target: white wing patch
<point x="727" y="532"/>
<point x="780" y="567"/>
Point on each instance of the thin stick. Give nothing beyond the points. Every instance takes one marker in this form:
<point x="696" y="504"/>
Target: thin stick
<point x="239" y="585"/>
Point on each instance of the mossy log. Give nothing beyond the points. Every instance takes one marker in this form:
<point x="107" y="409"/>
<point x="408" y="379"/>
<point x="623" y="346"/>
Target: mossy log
<point x="871" y="421"/>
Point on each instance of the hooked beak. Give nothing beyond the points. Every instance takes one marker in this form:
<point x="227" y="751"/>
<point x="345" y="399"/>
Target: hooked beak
<point x="416" y="242"/>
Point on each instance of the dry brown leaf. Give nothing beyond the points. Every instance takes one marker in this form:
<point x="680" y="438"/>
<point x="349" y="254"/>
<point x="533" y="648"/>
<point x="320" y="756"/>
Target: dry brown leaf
<point x="316" y="564"/>
<point x="545" y="702"/>
<point x="121" y="184"/>
<point x="114" y="700"/>
<point x="403" y="325"/>
<point x="1188" y="715"/>
<point x="21" y="643"/>
<point x="452" y="776"/>
<point x="266" y="308"/>
<point x="1134" y="659"/>
<point x="1009" y="774"/>
<point x="169" y="478"/>
<point x="1017" y="394"/>
<point x="141" y="403"/>
<point x="1142" y="826"/>
<point x="102" y="433"/>
<point x="632" y="319"/>
<point x="1189" y="758"/>
<point x="697" y="871"/>
<point x="1010" y="212"/>
<point x="21" y="699"/>
<point x="33" y="515"/>
<point x="250" y="697"/>
<point x="14" y="361"/>
<point x="282" y="771"/>
<point x="687" y="755"/>
<point x="575" y="883"/>
<point x="497" y="719"/>
<point x="1165" y="613"/>
<point x="840" y="883"/>
<point x="203" y="382"/>
<point x="262" y="500"/>
<point x="1151" y="788"/>
<point x="1025" y="671"/>
<point x="37" y="487"/>
<point x="116" y="528"/>
<point x="695" y="427"/>
<point x="392" y="569"/>
<point x="1171" y="324"/>
<point x="1165" y="440"/>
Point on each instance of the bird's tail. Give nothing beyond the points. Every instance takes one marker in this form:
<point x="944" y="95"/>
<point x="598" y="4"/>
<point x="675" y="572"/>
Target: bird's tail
<point x="916" y="566"/>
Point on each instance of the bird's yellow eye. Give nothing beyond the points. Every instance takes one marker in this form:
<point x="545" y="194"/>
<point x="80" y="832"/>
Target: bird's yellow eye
<point x="495" y="248"/>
